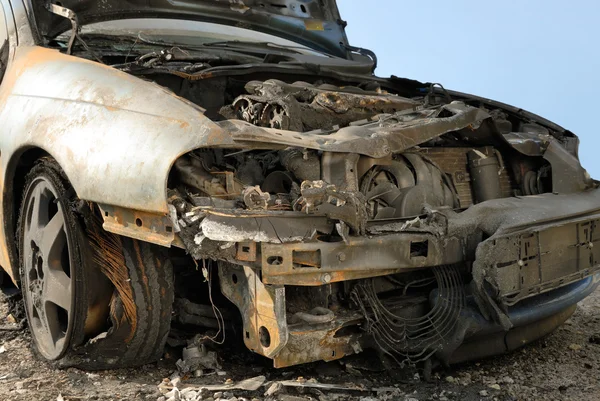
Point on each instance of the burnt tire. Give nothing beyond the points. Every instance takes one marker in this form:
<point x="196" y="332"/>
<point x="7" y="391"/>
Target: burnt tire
<point x="139" y="337"/>
<point x="94" y="300"/>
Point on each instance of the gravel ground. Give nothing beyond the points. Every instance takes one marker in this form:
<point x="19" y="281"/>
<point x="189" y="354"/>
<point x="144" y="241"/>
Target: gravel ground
<point x="563" y="366"/>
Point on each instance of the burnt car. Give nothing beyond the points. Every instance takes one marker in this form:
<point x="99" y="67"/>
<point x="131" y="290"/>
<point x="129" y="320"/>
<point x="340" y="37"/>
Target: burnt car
<point x="236" y="166"/>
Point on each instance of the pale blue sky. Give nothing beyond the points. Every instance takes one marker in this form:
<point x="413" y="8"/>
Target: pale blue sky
<point x="540" y="55"/>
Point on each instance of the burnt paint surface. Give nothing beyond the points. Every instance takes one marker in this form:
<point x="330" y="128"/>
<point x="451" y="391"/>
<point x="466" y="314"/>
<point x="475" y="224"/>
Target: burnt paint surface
<point x="114" y="135"/>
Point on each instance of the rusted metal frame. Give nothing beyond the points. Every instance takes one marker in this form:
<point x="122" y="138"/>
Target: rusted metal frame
<point x="144" y="226"/>
<point x="246" y="251"/>
<point x="266" y="331"/>
<point x="261" y="306"/>
<point x="319" y="263"/>
<point x="322" y="342"/>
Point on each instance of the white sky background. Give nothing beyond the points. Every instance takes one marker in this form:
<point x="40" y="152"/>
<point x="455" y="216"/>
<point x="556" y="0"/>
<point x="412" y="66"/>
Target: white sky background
<point x="540" y="55"/>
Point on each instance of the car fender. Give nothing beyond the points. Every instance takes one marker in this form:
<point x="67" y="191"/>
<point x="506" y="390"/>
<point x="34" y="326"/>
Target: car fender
<point x="114" y="135"/>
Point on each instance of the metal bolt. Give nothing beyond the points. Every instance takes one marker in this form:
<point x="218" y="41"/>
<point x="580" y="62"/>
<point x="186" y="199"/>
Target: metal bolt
<point x="521" y="263"/>
<point x="341" y="256"/>
<point x="591" y="244"/>
<point x="326" y="278"/>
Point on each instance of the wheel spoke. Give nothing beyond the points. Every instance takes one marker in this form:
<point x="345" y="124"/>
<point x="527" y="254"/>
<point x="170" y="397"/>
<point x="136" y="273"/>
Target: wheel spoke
<point x="41" y="325"/>
<point x="39" y="214"/>
<point x="53" y="239"/>
<point x="54" y="331"/>
<point x="57" y="289"/>
<point x="34" y="312"/>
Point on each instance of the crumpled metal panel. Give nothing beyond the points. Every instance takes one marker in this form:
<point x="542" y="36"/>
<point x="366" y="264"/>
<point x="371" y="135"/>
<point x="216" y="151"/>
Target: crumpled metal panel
<point x="393" y="133"/>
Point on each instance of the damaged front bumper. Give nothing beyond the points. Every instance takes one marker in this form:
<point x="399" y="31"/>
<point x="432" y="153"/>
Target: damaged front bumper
<point x="516" y="248"/>
<point x="531" y="319"/>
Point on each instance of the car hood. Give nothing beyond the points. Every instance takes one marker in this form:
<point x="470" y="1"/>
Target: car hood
<point x="313" y="23"/>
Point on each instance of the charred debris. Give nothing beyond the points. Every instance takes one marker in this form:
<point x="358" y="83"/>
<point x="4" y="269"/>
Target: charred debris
<point x="345" y="211"/>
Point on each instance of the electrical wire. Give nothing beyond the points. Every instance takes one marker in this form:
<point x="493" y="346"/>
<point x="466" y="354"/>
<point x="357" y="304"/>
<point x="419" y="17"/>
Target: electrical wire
<point x="216" y="311"/>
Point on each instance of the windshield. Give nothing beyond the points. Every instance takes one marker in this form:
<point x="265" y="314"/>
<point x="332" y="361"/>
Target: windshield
<point x="189" y="33"/>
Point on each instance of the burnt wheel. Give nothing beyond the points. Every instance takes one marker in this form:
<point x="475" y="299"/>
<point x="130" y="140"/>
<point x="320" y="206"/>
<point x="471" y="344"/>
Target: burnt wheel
<point x="46" y="268"/>
<point x="93" y="299"/>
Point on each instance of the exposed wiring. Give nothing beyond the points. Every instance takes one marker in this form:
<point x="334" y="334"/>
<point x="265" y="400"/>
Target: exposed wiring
<point x="132" y="47"/>
<point x="98" y="59"/>
<point x="217" y="312"/>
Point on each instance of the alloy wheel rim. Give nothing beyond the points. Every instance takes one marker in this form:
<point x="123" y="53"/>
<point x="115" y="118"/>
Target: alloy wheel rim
<point x="47" y="270"/>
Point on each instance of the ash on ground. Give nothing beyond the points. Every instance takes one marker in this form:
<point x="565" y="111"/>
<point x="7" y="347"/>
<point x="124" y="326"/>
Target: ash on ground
<point x="563" y="366"/>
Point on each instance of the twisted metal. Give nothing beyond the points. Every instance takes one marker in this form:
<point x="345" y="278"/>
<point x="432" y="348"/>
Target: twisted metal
<point x="411" y="340"/>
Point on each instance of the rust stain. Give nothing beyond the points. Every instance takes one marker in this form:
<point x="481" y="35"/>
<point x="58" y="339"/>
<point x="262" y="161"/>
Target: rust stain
<point x="144" y="226"/>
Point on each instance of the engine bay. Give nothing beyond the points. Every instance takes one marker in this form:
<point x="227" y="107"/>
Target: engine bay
<point x="341" y="209"/>
<point x="447" y="171"/>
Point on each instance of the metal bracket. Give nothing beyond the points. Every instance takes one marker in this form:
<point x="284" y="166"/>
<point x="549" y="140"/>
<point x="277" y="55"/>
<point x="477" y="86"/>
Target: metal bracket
<point x="262" y="308"/>
<point x="71" y="16"/>
<point x="149" y="227"/>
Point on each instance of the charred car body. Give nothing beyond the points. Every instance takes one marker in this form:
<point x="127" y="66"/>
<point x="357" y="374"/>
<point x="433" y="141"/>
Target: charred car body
<point x="337" y="211"/>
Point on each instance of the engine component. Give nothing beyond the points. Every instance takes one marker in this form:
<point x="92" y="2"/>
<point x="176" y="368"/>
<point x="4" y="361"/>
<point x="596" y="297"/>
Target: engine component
<point x="533" y="182"/>
<point x="304" y="165"/>
<point x="250" y="171"/>
<point x="303" y="107"/>
<point x="484" y="176"/>
<point x="248" y="109"/>
<point x="404" y="186"/>
<point x="187" y="312"/>
<point x="347" y="206"/>
<point x="315" y="315"/>
<point x="279" y="182"/>
<point x="454" y="162"/>
<point x="340" y="169"/>
<point x="194" y="172"/>
<point x="275" y="116"/>
<point x="254" y="198"/>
